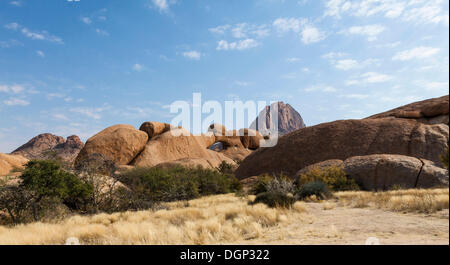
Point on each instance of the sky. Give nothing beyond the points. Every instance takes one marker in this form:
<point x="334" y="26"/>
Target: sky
<point x="76" y="67"/>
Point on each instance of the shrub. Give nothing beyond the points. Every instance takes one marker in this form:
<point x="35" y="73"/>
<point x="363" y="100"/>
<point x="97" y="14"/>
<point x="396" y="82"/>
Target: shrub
<point x="261" y="185"/>
<point x="225" y="168"/>
<point x="317" y="188"/>
<point x="275" y="199"/>
<point x="178" y="183"/>
<point x="444" y="158"/>
<point x="335" y="177"/>
<point x="281" y="185"/>
<point x="46" y="179"/>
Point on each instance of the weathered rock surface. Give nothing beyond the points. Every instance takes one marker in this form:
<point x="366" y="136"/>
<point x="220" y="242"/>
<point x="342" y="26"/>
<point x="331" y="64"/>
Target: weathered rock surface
<point x="10" y="162"/>
<point x="45" y="146"/>
<point x="119" y="143"/>
<point x="250" y="138"/>
<point x="153" y="128"/>
<point x="382" y="171"/>
<point x="179" y="147"/>
<point x="430" y="111"/>
<point x="289" y="119"/>
<point x="347" y="138"/>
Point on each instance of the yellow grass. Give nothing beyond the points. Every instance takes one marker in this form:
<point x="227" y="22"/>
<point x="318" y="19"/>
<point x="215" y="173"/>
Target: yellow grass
<point x="218" y="219"/>
<point x="412" y="200"/>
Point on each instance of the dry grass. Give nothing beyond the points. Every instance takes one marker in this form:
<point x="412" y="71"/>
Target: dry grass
<point x="412" y="200"/>
<point x="218" y="219"/>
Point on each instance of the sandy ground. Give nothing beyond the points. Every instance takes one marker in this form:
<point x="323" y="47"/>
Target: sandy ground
<point x="343" y="225"/>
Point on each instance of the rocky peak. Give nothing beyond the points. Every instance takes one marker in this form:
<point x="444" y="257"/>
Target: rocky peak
<point x="47" y="144"/>
<point x="289" y="119"/>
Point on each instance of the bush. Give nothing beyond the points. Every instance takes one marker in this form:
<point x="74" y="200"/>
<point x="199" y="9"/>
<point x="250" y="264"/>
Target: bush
<point x="335" y="177"/>
<point x="178" y="183"/>
<point x="275" y="199"/>
<point x="226" y="168"/>
<point x="261" y="185"/>
<point x="317" y="188"/>
<point x="444" y="158"/>
<point x="46" y="179"/>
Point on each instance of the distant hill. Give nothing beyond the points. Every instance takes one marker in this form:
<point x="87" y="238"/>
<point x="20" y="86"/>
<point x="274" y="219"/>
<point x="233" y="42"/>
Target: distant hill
<point x="289" y="119"/>
<point x="47" y="145"/>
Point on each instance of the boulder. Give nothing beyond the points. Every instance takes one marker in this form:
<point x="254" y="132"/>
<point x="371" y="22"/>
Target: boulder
<point x="230" y="139"/>
<point x="347" y="138"/>
<point x="153" y="128"/>
<point x="430" y="111"/>
<point x="217" y="129"/>
<point x="383" y="171"/>
<point x="180" y="147"/>
<point x="236" y="153"/>
<point x="10" y="162"/>
<point x="119" y="143"/>
<point x="321" y="165"/>
<point x="250" y="138"/>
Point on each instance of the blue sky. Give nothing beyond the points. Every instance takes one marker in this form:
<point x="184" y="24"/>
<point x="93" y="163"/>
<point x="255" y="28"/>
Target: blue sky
<point x="76" y="67"/>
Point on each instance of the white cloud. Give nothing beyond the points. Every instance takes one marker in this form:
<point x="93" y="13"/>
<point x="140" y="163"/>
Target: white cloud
<point x="14" y="89"/>
<point x="239" y="45"/>
<point x="102" y="32"/>
<point x="86" y="20"/>
<point x="15" y="3"/>
<point x="193" y="55"/>
<point x="322" y="88"/>
<point x="94" y="113"/>
<point x="370" y="31"/>
<point x="333" y="55"/>
<point x="12" y="26"/>
<point x="161" y="5"/>
<point x="356" y="96"/>
<point x="138" y="67"/>
<point x="346" y="64"/>
<point x="220" y="29"/>
<point x="284" y="25"/>
<point x="242" y="30"/>
<point x="34" y="35"/>
<point x="369" y="77"/>
<point x="16" y="102"/>
<point x="242" y="83"/>
<point x="311" y="34"/>
<point x="307" y="32"/>
<point x="433" y="86"/>
<point x="10" y="43"/>
<point x="415" y="53"/>
<point x="40" y="54"/>
<point x="292" y="60"/>
<point x="417" y="11"/>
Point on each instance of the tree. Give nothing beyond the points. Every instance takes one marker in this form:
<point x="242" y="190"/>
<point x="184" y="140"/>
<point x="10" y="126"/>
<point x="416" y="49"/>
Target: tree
<point x="46" y="179"/>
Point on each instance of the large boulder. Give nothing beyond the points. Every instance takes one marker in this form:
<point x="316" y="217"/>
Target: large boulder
<point x="178" y="146"/>
<point x="430" y="111"/>
<point x="119" y="143"/>
<point x="250" y="138"/>
<point x="346" y="138"/>
<point x="10" y="162"/>
<point x="153" y="128"/>
<point x="382" y="171"/>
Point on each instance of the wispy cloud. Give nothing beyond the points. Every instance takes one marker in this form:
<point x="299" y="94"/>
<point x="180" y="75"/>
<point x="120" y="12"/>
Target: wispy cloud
<point x="193" y="55"/>
<point x="16" y="102"/>
<point x="40" y="54"/>
<point x="368" y="78"/>
<point x="306" y="30"/>
<point x="237" y="45"/>
<point x="415" y="53"/>
<point x="34" y="35"/>
<point x="370" y="31"/>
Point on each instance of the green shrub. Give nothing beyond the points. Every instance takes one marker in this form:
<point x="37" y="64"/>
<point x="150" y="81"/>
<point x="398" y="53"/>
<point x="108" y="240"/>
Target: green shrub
<point x="46" y="179"/>
<point x="444" y="158"/>
<point x="335" y="177"/>
<point x="261" y="185"/>
<point x="317" y="188"/>
<point x="225" y="168"/>
<point x="178" y="183"/>
<point x="275" y="199"/>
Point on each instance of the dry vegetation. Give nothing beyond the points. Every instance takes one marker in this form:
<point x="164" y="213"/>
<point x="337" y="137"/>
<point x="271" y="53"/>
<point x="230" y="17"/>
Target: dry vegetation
<point x="209" y="220"/>
<point x="412" y="200"/>
<point x="229" y="219"/>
